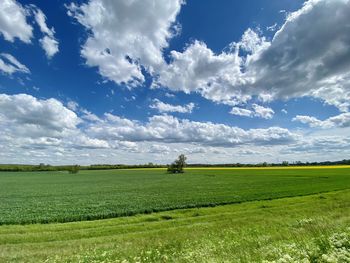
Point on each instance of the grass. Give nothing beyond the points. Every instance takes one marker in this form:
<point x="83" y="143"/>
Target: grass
<point x="311" y="228"/>
<point x="46" y="197"/>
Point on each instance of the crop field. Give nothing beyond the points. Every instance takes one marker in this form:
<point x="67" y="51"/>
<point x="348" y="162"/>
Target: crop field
<point x="44" y="197"/>
<point x="205" y="215"/>
<point x="312" y="228"/>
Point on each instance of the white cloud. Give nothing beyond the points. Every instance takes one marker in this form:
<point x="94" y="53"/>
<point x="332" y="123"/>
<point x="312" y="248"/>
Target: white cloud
<point x="319" y="144"/>
<point x="263" y="112"/>
<point x="283" y="68"/>
<point x="48" y="42"/>
<point x="160" y="149"/>
<point x="50" y="45"/>
<point x="13" y="22"/>
<point x="42" y="125"/>
<point x="45" y="123"/>
<point x="168" y="129"/>
<point x="241" y="112"/>
<point x="256" y="111"/>
<point x="87" y="115"/>
<point x="73" y="105"/>
<point x="272" y="28"/>
<point x="251" y="42"/>
<point x="165" y="107"/>
<point x="341" y="120"/>
<point x="84" y="113"/>
<point x="284" y="111"/>
<point x="169" y="95"/>
<point x="9" y="64"/>
<point x="40" y="19"/>
<point x="125" y="35"/>
<point x="198" y="69"/>
<point x="41" y="117"/>
<point x="85" y="142"/>
<point x="194" y="150"/>
<point x="290" y="68"/>
<point x="51" y="132"/>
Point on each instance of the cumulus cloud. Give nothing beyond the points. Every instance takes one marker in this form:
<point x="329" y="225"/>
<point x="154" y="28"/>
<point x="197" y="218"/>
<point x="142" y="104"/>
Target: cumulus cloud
<point x="28" y="121"/>
<point x="217" y="77"/>
<point x="50" y="45"/>
<point x="168" y="129"/>
<point x="290" y="68"/>
<point x="45" y="116"/>
<point x="128" y="36"/>
<point x="45" y="130"/>
<point x="125" y="35"/>
<point x="161" y="149"/>
<point x="283" y="68"/>
<point x="198" y="69"/>
<point x="165" y="107"/>
<point x="13" y="23"/>
<point x="341" y="120"/>
<point x="41" y="124"/>
<point x="256" y="111"/>
<point x="320" y="144"/>
<point x="84" y="142"/>
<point x="263" y="112"/>
<point x="241" y="112"/>
<point x="9" y="65"/>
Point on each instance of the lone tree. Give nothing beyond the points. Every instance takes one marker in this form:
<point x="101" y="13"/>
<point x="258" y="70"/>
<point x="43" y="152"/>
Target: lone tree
<point x="178" y="165"/>
<point x="74" y="169"/>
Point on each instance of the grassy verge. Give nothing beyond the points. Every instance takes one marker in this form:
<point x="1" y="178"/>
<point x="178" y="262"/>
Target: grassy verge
<point x="300" y="229"/>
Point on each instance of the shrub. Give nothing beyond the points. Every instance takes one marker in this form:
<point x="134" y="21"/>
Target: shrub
<point x="178" y="165"/>
<point x="74" y="169"/>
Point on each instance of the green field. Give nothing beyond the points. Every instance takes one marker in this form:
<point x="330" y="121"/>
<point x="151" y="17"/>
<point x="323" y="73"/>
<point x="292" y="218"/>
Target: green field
<point x="43" y="197"/>
<point x="271" y="215"/>
<point x="314" y="227"/>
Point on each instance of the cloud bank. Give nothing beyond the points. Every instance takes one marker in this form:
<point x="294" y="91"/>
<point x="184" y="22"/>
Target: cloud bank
<point x="255" y="67"/>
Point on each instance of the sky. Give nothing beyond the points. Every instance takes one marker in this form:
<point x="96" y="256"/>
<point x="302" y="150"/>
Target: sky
<point x="120" y="81"/>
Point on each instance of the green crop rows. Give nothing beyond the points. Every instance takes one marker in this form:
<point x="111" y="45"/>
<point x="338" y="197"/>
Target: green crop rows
<point x="44" y="197"/>
<point x="298" y="229"/>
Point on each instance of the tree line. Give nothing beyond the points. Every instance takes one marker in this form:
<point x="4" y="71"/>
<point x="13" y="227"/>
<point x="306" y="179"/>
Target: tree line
<point x="174" y="167"/>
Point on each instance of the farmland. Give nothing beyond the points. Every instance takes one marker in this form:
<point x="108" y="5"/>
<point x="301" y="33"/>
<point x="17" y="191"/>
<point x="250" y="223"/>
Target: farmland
<point x="147" y="215"/>
<point x="314" y="227"/>
<point x="43" y="197"/>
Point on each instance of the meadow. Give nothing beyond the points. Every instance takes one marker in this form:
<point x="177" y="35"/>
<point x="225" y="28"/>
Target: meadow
<point x="46" y="197"/>
<point x="305" y="229"/>
<point x="269" y="215"/>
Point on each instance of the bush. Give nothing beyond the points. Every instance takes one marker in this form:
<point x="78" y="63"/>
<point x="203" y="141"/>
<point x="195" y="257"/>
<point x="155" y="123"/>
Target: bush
<point x="74" y="169"/>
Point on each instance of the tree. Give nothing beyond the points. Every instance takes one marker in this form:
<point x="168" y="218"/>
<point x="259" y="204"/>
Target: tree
<point x="178" y="165"/>
<point x="285" y="163"/>
<point x="74" y="169"/>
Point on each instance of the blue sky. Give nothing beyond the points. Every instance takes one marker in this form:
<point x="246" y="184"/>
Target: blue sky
<point x="105" y="81"/>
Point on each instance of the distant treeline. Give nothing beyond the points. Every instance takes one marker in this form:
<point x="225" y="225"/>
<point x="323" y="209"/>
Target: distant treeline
<point x="46" y="167"/>
<point x="282" y="164"/>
